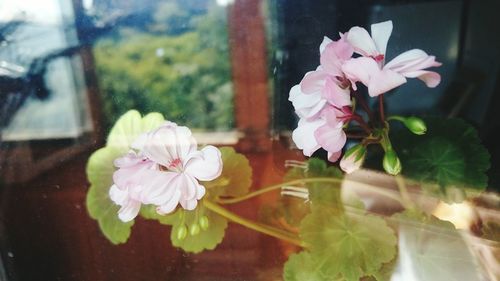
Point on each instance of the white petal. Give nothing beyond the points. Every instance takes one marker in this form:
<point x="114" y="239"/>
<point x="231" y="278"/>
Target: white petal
<point x="158" y="187"/>
<point x="189" y="204"/>
<point x="360" y="69"/>
<point x="129" y="211"/>
<point x="363" y="44"/>
<point x="380" y="33"/>
<point x="406" y="60"/>
<point x="325" y="42"/>
<point x="170" y="205"/>
<point x="303" y="135"/>
<point x="207" y="165"/>
<point x="384" y="81"/>
<point x="117" y="195"/>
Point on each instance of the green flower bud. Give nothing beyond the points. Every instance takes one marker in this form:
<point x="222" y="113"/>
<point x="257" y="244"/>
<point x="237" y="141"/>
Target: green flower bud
<point x="182" y="232"/>
<point x="194" y="229"/>
<point x="204" y="224"/>
<point x="415" y="125"/>
<point x="391" y="162"/>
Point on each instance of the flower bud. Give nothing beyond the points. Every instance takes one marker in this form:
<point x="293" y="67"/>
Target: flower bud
<point x="391" y="162"/>
<point x="204" y="224"/>
<point x="415" y="125"/>
<point x="353" y="158"/>
<point x="194" y="229"/>
<point x="182" y="232"/>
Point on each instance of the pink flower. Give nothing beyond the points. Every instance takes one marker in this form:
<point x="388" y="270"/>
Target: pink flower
<point x="353" y="158"/>
<point x="325" y="131"/>
<point x="371" y="70"/>
<point x="322" y="100"/>
<point x="164" y="170"/>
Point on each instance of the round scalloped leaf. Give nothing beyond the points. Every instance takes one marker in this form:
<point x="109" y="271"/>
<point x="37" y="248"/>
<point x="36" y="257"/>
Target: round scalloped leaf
<point x="100" y="170"/>
<point x="206" y="239"/>
<point x="449" y="159"/>
<point x="302" y="267"/>
<point x="352" y="246"/>
<point x="130" y="125"/>
<point x="149" y="212"/>
<point x="236" y="177"/>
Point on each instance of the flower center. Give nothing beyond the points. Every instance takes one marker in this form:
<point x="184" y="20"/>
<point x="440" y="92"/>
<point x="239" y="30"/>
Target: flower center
<point x="174" y="165"/>
<point x="378" y="58"/>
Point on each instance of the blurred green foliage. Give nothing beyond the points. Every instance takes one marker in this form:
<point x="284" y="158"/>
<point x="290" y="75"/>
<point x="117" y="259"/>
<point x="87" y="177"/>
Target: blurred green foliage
<point x="177" y="64"/>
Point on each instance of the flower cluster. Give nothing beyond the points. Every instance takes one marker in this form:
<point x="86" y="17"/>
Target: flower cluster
<point x="163" y="168"/>
<point x="323" y="99"/>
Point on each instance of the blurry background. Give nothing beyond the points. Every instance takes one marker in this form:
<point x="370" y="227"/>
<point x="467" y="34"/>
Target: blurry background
<point x="69" y="69"/>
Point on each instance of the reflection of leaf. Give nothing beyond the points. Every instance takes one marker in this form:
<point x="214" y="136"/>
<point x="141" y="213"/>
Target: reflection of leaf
<point x="205" y="240"/>
<point x="302" y="267"/>
<point x="236" y="177"/>
<point x="431" y="249"/>
<point x="351" y="246"/>
<point x="450" y="155"/>
<point x="100" y="170"/>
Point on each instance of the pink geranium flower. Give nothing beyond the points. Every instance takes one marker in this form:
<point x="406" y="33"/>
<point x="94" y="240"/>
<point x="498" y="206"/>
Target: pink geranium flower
<point x="371" y="69"/>
<point x="164" y="170"/>
<point x="322" y="100"/>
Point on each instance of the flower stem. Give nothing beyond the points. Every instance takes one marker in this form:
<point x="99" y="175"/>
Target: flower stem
<point x="275" y="187"/>
<point x="381" y="108"/>
<point x="269" y="230"/>
<point x="362" y="123"/>
<point x="363" y="104"/>
<point x="261" y="191"/>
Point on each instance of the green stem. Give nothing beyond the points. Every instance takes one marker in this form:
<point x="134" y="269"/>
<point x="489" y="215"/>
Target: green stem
<point x="269" y="230"/>
<point x="396" y="118"/>
<point x="261" y="191"/>
<point x="276" y="186"/>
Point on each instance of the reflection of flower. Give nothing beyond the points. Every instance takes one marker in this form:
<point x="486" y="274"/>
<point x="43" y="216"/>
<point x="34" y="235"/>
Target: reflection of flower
<point x="371" y="70"/>
<point x="163" y="171"/>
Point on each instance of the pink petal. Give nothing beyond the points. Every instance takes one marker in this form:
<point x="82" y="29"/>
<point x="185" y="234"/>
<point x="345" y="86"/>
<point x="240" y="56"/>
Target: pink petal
<point x="131" y="170"/>
<point x="334" y="54"/>
<point x="380" y="33"/>
<point x="360" y="69"/>
<point x="303" y="135"/>
<point x="334" y="156"/>
<point x="430" y="78"/>
<point x="336" y="95"/>
<point x="361" y="41"/>
<point x="412" y="60"/>
<point x="332" y="139"/>
<point x="349" y="165"/>
<point x="313" y="82"/>
<point x="384" y="81"/>
<point x="331" y="115"/>
<point x="207" y="166"/>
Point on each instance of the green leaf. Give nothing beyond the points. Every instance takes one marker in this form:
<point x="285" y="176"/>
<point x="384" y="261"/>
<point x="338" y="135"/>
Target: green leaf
<point x="130" y="125"/>
<point x="449" y="160"/>
<point x="149" y="212"/>
<point x="351" y="246"/>
<point x="302" y="267"/>
<point x="100" y="170"/>
<point x="206" y="239"/>
<point x="236" y="177"/>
